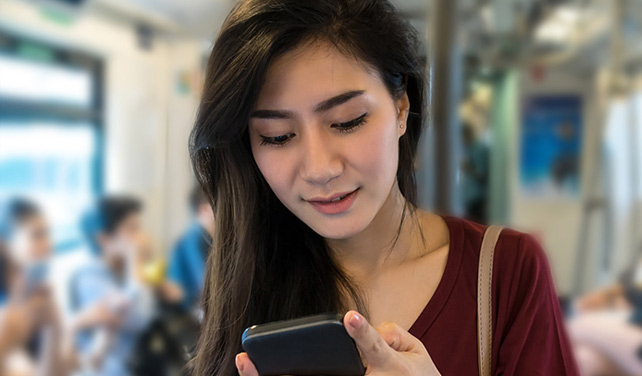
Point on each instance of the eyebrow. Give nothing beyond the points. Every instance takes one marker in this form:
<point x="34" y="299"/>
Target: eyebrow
<point x="324" y="106"/>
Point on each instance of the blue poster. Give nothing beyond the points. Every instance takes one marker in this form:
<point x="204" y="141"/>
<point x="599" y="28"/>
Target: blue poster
<point x="551" y="140"/>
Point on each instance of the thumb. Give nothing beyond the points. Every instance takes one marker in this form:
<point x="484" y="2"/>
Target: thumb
<point x="245" y="366"/>
<point x="399" y="339"/>
<point x="374" y="350"/>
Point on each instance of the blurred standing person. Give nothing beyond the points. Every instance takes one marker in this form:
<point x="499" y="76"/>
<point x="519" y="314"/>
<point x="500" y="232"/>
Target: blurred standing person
<point x="475" y="175"/>
<point x="187" y="261"/>
<point x="113" y="306"/>
<point x="30" y="329"/>
<point x="178" y="323"/>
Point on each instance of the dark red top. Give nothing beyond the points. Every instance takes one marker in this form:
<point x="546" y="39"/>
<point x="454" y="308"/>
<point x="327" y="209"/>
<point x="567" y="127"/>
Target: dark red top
<point x="529" y="337"/>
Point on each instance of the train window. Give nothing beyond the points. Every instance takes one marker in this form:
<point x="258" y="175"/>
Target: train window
<point x="51" y="147"/>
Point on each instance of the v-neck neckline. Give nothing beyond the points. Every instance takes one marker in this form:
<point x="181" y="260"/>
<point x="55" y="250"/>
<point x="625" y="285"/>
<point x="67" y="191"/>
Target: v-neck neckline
<point x="448" y="278"/>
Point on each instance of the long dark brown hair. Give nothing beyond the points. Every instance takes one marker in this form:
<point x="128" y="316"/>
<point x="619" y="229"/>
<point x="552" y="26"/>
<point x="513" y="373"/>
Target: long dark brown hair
<point x="265" y="264"/>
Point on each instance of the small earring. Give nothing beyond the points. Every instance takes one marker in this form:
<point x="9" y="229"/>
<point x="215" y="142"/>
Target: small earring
<point x="401" y="126"/>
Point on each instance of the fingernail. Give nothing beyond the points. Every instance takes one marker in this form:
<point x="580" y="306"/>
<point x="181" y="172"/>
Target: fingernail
<point x="356" y="320"/>
<point x="239" y="364"/>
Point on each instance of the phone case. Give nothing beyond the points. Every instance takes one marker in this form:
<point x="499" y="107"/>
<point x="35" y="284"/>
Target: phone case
<point x="309" y="346"/>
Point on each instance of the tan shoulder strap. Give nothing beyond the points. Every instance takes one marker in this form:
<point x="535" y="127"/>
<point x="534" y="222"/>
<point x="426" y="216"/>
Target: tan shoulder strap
<point x="485" y="299"/>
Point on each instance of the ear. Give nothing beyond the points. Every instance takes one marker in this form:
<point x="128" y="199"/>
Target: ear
<point x="403" y="109"/>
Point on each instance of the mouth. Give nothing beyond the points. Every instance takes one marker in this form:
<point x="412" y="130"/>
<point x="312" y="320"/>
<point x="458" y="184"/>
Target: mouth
<point x="334" y="204"/>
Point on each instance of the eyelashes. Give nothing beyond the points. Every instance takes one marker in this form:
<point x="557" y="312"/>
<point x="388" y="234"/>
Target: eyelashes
<point x="346" y="127"/>
<point x="278" y="140"/>
<point x="350" y="125"/>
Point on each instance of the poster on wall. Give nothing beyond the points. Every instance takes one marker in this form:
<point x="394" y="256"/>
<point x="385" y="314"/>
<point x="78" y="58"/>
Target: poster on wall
<point x="551" y="139"/>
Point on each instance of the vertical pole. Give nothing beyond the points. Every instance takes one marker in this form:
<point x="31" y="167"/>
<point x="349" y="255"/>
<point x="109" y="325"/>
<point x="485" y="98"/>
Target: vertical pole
<point x="444" y="70"/>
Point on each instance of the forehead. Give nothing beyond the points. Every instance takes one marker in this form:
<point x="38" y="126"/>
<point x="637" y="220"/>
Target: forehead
<point x="313" y="72"/>
<point x="131" y="218"/>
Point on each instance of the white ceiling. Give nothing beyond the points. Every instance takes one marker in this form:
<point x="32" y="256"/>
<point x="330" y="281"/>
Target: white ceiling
<point x="195" y="17"/>
<point x="198" y="16"/>
<point x="203" y="18"/>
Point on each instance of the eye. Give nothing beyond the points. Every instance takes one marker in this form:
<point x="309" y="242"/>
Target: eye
<point x="350" y="125"/>
<point x="278" y="140"/>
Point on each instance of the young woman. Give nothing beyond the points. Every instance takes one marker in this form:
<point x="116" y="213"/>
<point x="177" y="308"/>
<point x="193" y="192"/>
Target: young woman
<point x="305" y="143"/>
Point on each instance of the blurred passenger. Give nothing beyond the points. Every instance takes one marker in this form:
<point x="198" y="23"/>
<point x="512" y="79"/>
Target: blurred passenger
<point x="30" y="329"/>
<point x="607" y="329"/>
<point x="177" y="325"/>
<point x="112" y="305"/>
<point x="187" y="261"/>
<point x="475" y="175"/>
<point x="565" y="168"/>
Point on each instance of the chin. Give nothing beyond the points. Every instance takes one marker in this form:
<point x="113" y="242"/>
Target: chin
<point x="336" y="235"/>
<point x="337" y="229"/>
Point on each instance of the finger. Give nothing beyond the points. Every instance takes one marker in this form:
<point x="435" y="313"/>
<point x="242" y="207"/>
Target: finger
<point x="245" y="365"/>
<point x="374" y="349"/>
<point x="399" y="339"/>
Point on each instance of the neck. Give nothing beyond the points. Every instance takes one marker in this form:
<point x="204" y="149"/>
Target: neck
<point x="382" y="243"/>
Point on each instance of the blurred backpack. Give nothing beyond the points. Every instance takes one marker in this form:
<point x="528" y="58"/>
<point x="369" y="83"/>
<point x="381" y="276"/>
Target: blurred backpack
<point x="166" y="346"/>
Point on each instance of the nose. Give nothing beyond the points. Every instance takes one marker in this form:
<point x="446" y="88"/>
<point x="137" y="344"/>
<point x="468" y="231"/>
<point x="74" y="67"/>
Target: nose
<point x="321" y="162"/>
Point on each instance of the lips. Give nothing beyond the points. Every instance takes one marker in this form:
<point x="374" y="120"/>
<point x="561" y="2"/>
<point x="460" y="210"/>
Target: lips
<point x="334" y="204"/>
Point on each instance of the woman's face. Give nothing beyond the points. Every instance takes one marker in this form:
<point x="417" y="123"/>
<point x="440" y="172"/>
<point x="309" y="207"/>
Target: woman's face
<point x="325" y="134"/>
<point x="31" y="242"/>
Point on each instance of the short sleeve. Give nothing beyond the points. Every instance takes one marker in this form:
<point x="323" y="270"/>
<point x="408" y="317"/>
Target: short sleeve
<point x="529" y="335"/>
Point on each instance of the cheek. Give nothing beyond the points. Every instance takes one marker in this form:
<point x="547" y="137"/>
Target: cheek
<point x="277" y="167"/>
<point x="377" y="154"/>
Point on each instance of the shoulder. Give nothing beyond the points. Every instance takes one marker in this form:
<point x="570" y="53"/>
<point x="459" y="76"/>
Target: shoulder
<point x="510" y="240"/>
<point x="88" y="273"/>
<point x="192" y="233"/>
<point x="181" y="245"/>
<point x="88" y="283"/>
<point x="515" y="250"/>
<point x="521" y="271"/>
<point x="521" y="255"/>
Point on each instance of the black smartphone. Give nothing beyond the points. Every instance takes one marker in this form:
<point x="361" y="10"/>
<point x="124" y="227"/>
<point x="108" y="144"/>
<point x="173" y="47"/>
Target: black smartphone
<point x="308" y="346"/>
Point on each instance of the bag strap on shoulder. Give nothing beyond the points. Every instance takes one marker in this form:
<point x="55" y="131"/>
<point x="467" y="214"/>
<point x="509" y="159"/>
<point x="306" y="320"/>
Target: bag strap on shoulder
<point x="485" y="299"/>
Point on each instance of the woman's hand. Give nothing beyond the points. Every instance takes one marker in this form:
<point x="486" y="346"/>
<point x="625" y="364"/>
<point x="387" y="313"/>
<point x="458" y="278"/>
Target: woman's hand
<point x="389" y="349"/>
<point x="386" y="350"/>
